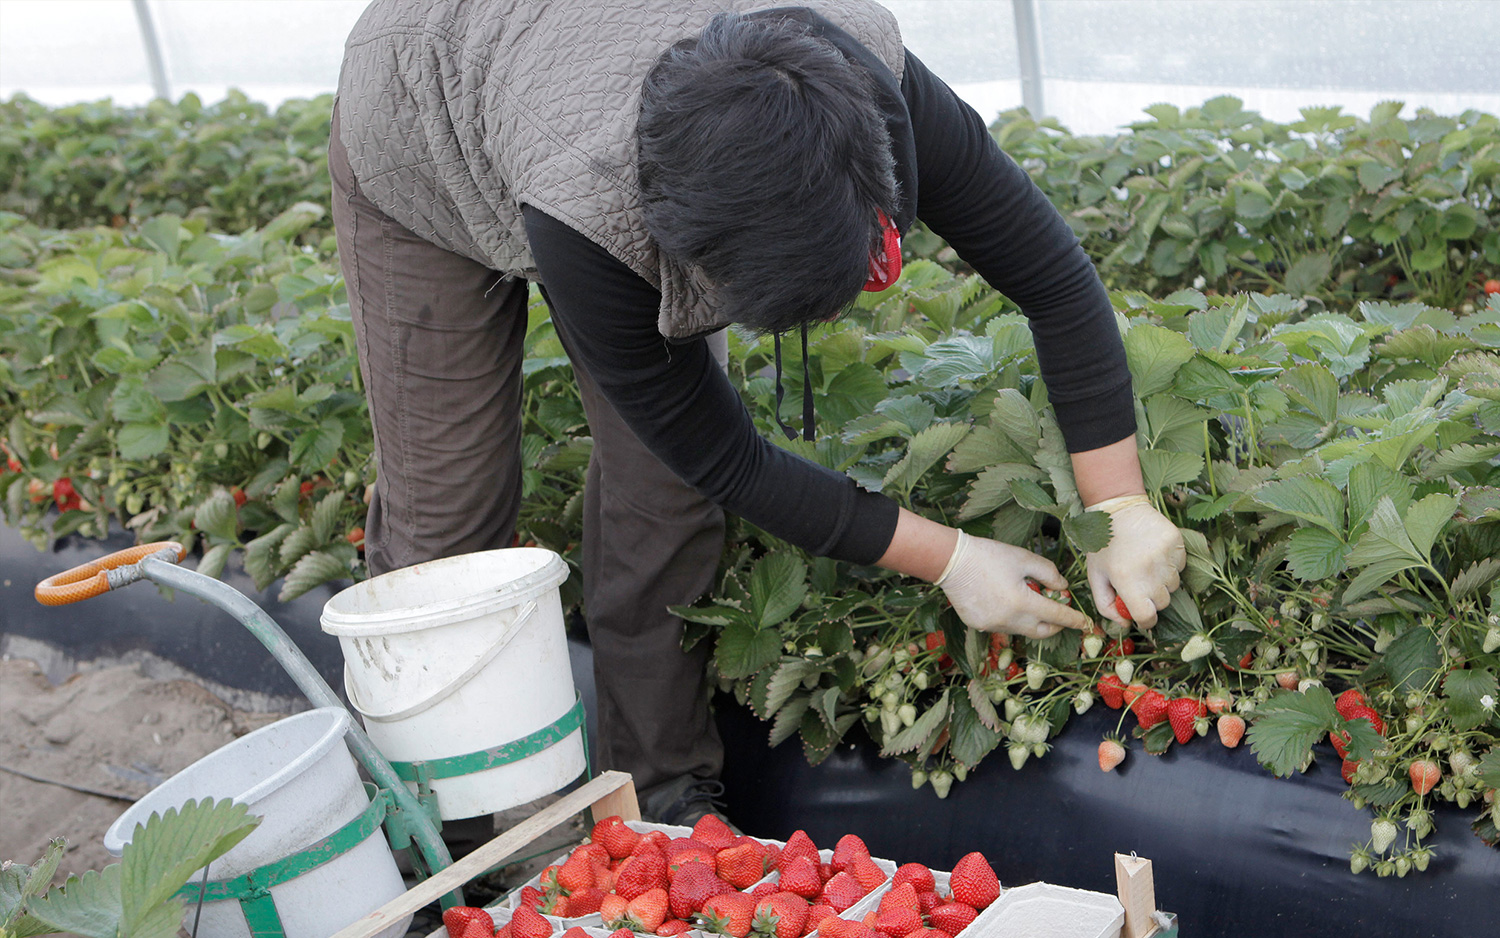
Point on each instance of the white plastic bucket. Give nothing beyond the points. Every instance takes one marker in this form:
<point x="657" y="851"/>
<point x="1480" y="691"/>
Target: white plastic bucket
<point x="298" y="776"/>
<point x="459" y="655"/>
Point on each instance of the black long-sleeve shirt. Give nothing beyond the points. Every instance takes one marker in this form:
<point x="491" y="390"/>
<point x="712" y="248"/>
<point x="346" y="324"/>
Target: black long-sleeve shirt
<point x="683" y="408"/>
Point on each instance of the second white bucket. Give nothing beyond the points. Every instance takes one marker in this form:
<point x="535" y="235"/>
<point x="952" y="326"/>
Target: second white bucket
<point x="460" y="655"/>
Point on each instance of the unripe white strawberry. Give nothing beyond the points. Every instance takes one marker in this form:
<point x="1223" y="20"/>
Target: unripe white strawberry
<point x="1082" y="702"/>
<point x="1003" y="660"/>
<point x="1019" y="753"/>
<point x="1125" y="669"/>
<point x="907" y="713"/>
<point x="1013" y="708"/>
<point x="960" y="772"/>
<point x="1492" y="639"/>
<point x="1036" y="673"/>
<point x="918" y="680"/>
<point x="1092" y="645"/>
<point x="1461" y="762"/>
<point x="1307" y="682"/>
<point x="918" y="777"/>
<point x="890" y="723"/>
<point x="941" y="782"/>
<point x="1382" y="834"/>
<point x="1199" y="646"/>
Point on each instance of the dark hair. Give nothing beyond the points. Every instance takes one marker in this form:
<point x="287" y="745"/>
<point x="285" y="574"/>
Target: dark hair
<point x="763" y="160"/>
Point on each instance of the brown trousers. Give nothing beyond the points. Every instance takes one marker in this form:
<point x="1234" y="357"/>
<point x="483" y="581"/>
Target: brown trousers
<point x="440" y="350"/>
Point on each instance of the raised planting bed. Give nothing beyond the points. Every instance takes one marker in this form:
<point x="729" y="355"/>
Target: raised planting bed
<point x="1236" y="850"/>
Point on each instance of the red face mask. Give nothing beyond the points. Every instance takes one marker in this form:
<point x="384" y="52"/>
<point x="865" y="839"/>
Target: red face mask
<point x="885" y="262"/>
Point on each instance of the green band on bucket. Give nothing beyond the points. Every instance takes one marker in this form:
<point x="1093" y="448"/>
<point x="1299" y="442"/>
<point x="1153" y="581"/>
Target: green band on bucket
<point x="253" y="890"/>
<point x="525" y="747"/>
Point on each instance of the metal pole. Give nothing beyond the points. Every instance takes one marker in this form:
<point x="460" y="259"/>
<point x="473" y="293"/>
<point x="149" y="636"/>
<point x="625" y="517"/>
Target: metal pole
<point x="1029" y="52"/>
<point x="154" y="60"/>
<point x="307" y="678"/>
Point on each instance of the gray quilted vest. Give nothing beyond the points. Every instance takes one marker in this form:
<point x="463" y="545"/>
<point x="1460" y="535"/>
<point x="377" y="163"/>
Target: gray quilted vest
<point x="457" y="112"/>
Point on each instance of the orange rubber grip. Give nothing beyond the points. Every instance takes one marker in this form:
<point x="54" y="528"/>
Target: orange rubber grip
<point x="89" y="580"/>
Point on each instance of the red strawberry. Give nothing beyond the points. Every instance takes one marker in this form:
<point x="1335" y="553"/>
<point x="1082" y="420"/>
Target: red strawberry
<point x="815" y="916"/>
<point x="617" y="933"/>
<point x="477" y="929"/>
<point x="842" y="891"/>
<point x="1287" y="680"/>
<point x="1425" y="774"/>
<point x="648" y="910"/>
<point x="1347" y="701"/>
<point x="1150" y="709"/>
<point x="642" y="873"/>
<point x="1122" y="610"/>
<point x="1111" y="754"/>
<point x="836" y="927"/>
<point x="457" y="920"/>
<point x="780" y="915"/>
<point x="1013" y="671"/>
<point x="729" y="914"/>
<point x="899" y="913"/>
<point x="659" y="839"/>
<point x="1231" y="729"/>
<point x="935" y="642"/>
<point x="1183" y="712"/>
<point x="1112" y="691"/>
<point x="612" y="909"/>
<point x="504" y="932"/>
<point x="918" y="875"/>
<point x="614" y="836"/>
<point x="575" y="932"/>
<point x="556" y="904"/>
<point x="801" y="877"/>
<point x="1218" y="701"/>
<point x="953" y="917"/>
<point x="1356" y="713"/>
<point x="1245" y="659"/>
<point x="528" y="923"/>
<point x="764" y="889"/>
<point x="576" y="874"/>
<point x="929" y="933"/>
<point x="1119" y="648"/>
<point x="586" y="902"/>
<point x="712" y="830"/>
<point x="867" y="873"/>
<point x="672" y="926"/>
<point x="687" y="850"/>
<point x="548" y="879"/>
<point x="898" y="922"/>
<point x="826" y="870"/>
<point x="1346" y="770"/>
<point x="695" y="884"/>
<point x="742" y="865"/>
<point x="531" y="897"/>
<point x="799" y="844"/>
<point x="972" y="882"/>
<point x="1133" y="693"/>
<point x="929" y="901"/>
<point x="845" y="850"/>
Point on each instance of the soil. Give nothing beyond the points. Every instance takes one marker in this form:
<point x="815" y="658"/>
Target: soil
<point x="92" y="744"/>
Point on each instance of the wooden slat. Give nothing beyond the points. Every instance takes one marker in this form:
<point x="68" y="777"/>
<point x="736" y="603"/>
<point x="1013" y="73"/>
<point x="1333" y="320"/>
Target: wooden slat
<point x="604" y="789"/>
<point x="1137" y="888"/>
<point x="621" y="801"/>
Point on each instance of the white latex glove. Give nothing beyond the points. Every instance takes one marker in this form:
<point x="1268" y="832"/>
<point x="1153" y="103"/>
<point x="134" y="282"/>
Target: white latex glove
<point x="986" y="582"/>
<point x="1141" y="562"/>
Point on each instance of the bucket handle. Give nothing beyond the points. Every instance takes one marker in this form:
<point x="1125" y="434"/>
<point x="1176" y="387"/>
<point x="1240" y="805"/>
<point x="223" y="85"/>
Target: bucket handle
<point x="443" y="692"/>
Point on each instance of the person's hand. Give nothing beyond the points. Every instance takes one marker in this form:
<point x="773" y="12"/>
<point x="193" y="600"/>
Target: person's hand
<point x="1141" y="562"/>
<point x="986" y="582"/>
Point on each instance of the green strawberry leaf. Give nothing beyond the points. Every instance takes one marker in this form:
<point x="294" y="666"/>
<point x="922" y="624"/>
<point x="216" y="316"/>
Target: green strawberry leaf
<point x="313" y="570"/>
<point x="1287" y="725"/>
<point x="742" y="651"/>
<point x="971" y="738"/>
<point x="778" y="584"/>
<point x="1465" y="691"/>
<point x="1087" y="532"/>
<point x="163" y="853"/>
<point x="1412" y="660"/>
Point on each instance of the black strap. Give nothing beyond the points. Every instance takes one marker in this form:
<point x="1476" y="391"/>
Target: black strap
<point x="808" y="433"/>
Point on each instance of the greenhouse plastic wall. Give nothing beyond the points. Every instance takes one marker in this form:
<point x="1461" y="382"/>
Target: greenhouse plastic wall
<point x="1099" y="61"/>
